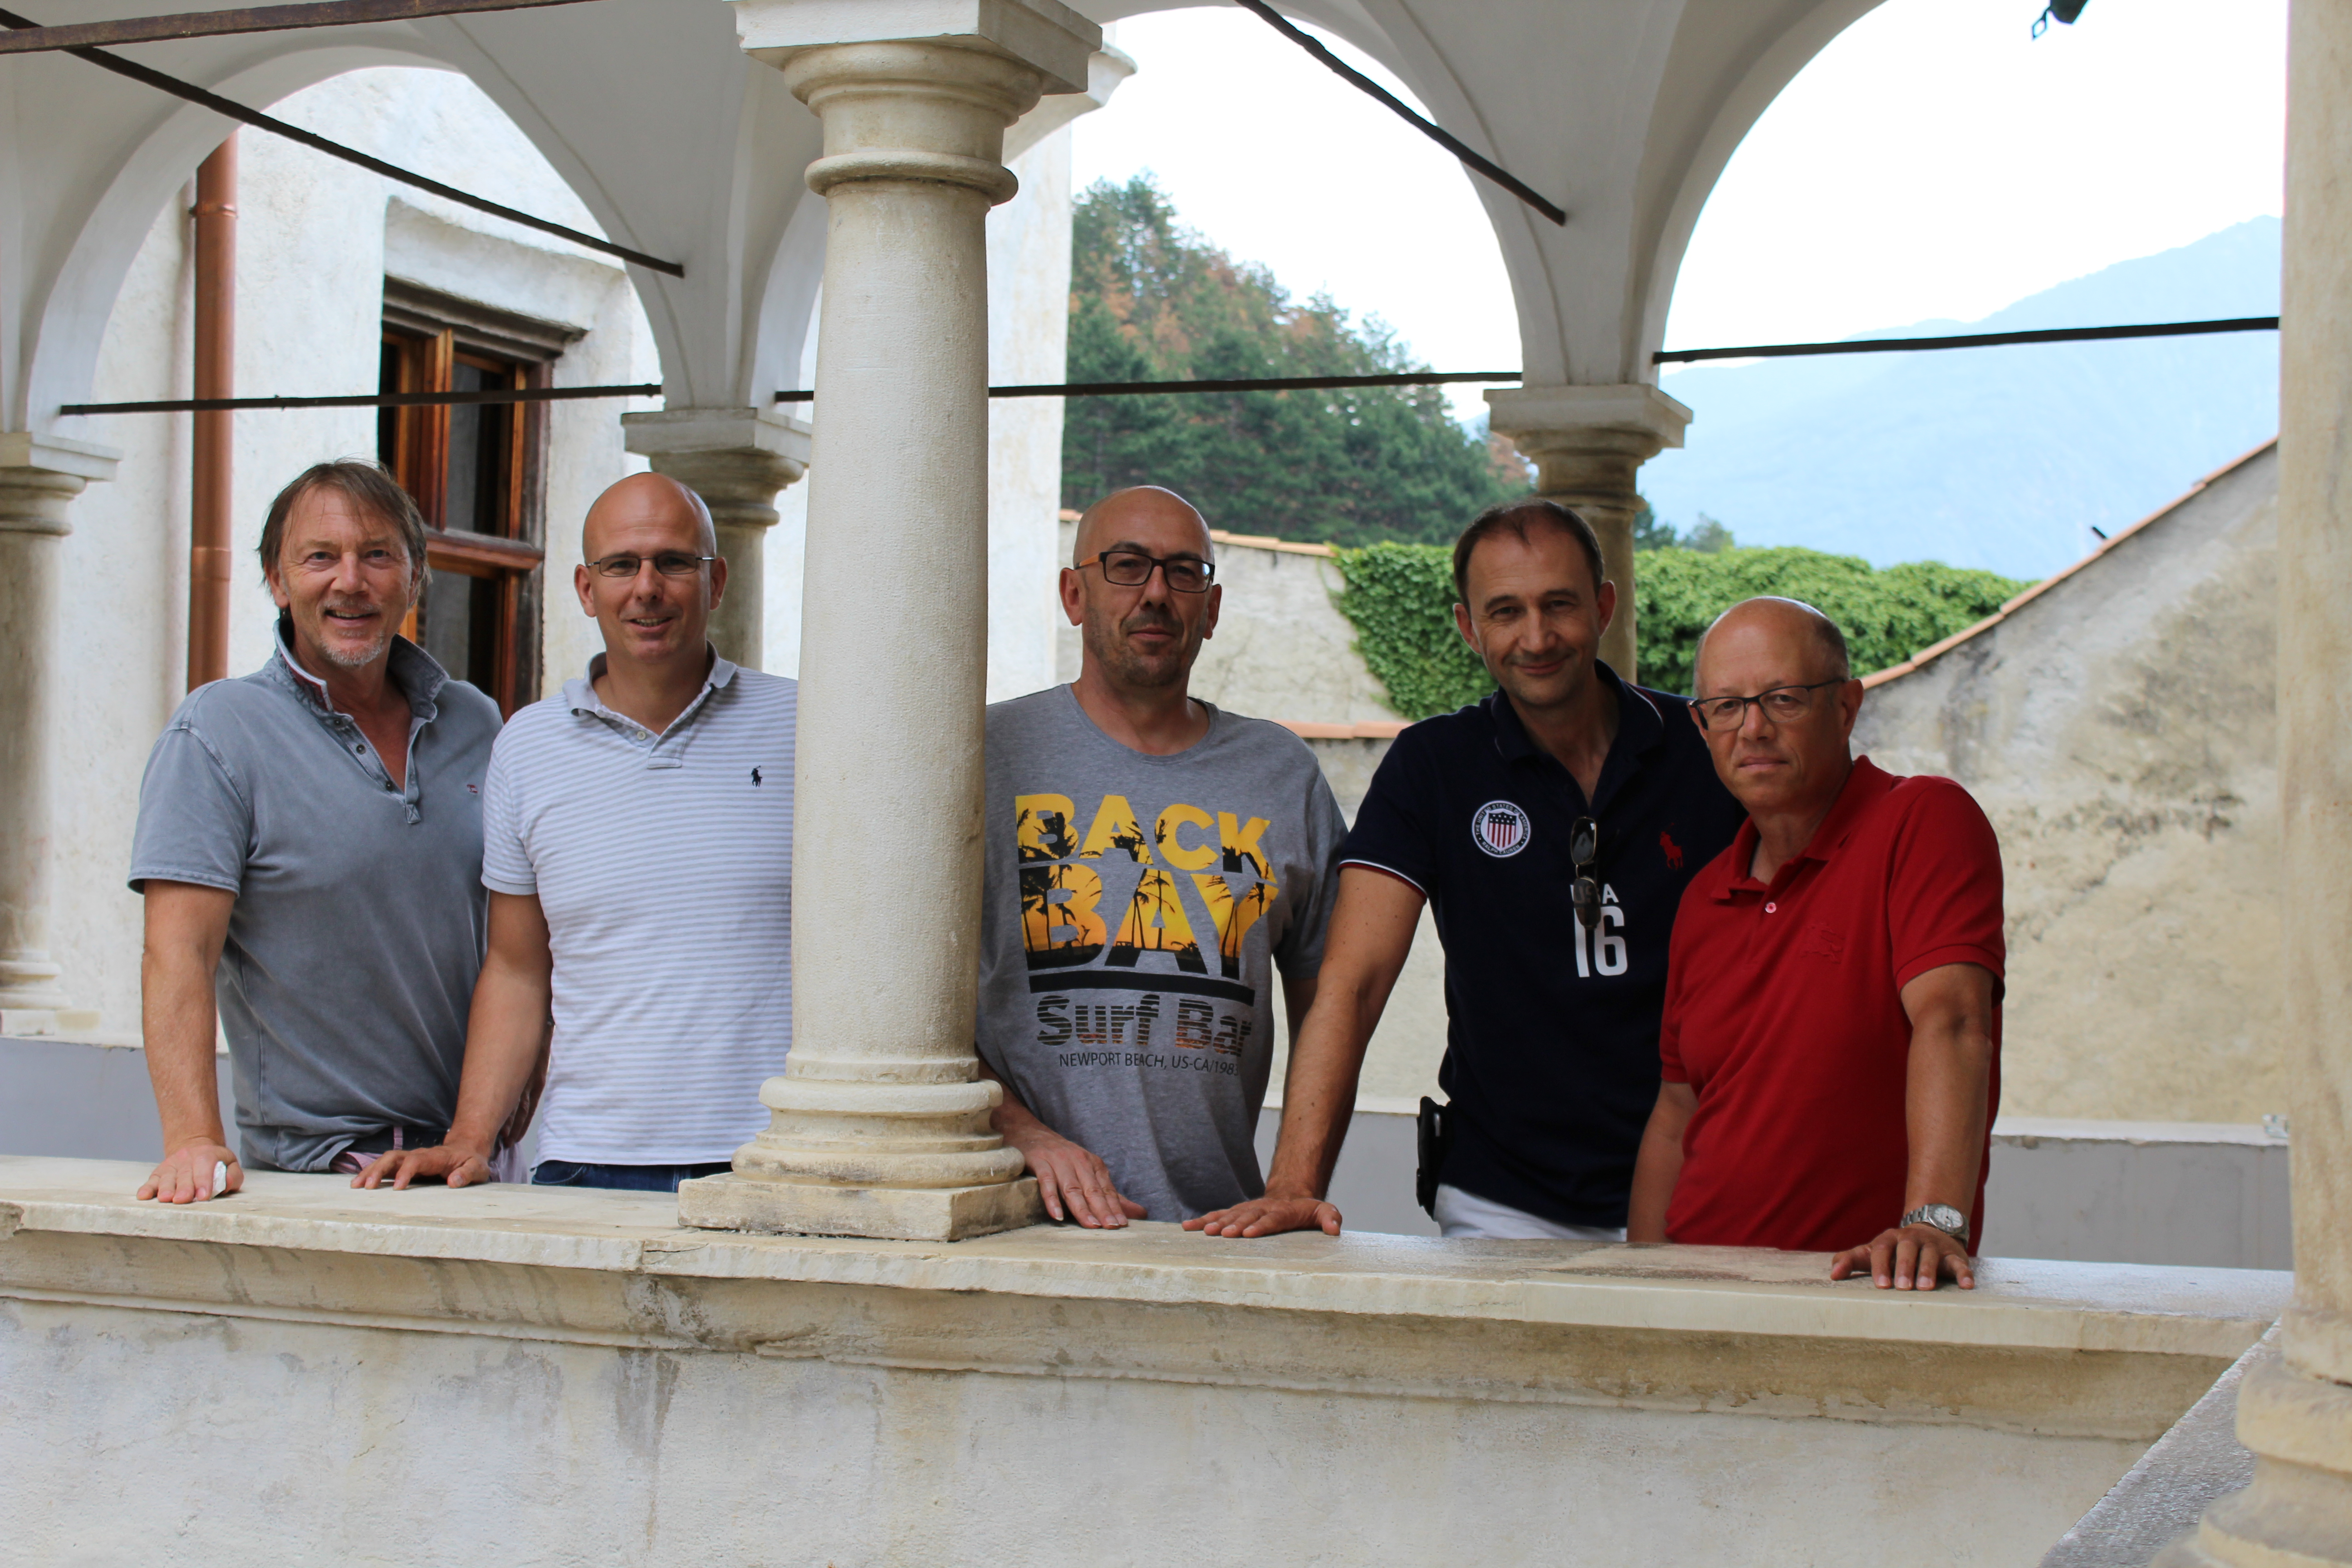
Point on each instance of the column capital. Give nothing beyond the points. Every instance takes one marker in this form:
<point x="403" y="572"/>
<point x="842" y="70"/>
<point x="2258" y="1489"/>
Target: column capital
<point x="679" y="431"/>
<point x="1048" y="38"/>
<point x="1534" y="412"/>
<point x="83" y="460"/>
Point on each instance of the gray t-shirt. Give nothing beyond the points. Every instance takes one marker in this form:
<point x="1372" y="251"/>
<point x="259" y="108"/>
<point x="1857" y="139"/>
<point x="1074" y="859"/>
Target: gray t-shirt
<point x="360" y="914"/>
<point x="1135" y="908"/>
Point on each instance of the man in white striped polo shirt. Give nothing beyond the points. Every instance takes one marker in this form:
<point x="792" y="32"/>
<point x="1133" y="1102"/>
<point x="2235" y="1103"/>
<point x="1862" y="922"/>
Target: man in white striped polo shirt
<point x="637" y="837"/>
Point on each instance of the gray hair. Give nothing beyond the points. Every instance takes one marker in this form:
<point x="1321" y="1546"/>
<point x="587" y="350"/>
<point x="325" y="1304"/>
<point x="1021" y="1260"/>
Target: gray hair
<point x="366" y="485"/>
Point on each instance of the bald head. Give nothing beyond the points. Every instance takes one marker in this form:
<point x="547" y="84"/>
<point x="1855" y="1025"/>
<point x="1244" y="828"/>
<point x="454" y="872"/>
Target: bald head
<point x="647" y="498"/>
<point x="1804" y="639"/>
<point x="1128" y="516"/>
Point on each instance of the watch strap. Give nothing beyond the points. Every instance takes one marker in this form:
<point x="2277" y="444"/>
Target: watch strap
<point x="1925" y="1214"/>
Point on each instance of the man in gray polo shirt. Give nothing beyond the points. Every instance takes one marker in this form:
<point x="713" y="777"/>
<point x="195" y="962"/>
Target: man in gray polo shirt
<point x="309" y="846"/>
<point x="637" y="848"/>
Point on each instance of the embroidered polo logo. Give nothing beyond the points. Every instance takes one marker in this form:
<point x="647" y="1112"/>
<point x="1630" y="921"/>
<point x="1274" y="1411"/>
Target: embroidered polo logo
<point x="1820" y="942"/>
<point x="755" y="777"/>
<point x="1501" y="828"/>
<point x="1674" y="851"/>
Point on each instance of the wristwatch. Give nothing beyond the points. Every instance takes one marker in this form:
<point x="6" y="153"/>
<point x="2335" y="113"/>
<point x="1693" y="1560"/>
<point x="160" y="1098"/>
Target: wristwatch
<point x="1944" y="1217"/>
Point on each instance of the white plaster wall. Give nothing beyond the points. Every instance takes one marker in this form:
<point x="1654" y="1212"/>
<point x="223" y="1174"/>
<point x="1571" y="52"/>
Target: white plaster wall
<point x="131" y="1436"/>
<point x="2120" y="731"/>
<point x="1028" y="337"/>
<point x="1283" y="651"/>
<point x="123" y="648"/>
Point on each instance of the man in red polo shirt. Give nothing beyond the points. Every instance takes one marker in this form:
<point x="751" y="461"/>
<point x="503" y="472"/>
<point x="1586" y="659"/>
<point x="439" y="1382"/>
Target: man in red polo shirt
<point x="1831" y="1034"/>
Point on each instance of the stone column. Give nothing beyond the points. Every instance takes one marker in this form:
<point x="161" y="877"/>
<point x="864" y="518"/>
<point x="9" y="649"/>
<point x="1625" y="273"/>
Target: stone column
<point x="879" y="1124"/>
<point x="736" y="460"/>
<point x="39" y="477"/>
<point x="1587" y="444"/>
<point x="2296" y="1416"/>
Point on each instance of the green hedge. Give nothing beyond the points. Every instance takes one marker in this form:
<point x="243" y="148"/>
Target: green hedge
<point x="1887" y="615"/>
<point x="1400" y="598"/>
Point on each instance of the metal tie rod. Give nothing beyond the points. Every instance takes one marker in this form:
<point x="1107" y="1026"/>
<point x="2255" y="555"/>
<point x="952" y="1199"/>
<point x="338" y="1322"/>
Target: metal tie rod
<point x="368" y="400"/>
<point x="1973" y="340"/>
<point x="1428" y="128"/>
<point x="249" y="19"/>
<point x="1251" y="383"/>
<point x="148" y="77"/>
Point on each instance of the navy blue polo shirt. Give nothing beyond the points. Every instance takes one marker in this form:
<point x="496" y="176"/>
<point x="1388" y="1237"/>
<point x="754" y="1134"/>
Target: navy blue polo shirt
<point x="1551" y="1050"/>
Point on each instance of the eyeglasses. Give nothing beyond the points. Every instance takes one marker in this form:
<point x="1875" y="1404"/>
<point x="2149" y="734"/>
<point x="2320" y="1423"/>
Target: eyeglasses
<point x="1781" y="704"/>
<point x="668" y="563"/>
<point x="1132" y="569"/>
<point x="1584" y="848"/>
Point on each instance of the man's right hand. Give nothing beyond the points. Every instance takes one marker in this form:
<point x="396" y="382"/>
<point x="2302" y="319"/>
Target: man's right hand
<point x="185" y="1176"/>
<point x="1073" y="1180"/>
<point x="1268" y="1216"/>
<point x="452" y="1163"/>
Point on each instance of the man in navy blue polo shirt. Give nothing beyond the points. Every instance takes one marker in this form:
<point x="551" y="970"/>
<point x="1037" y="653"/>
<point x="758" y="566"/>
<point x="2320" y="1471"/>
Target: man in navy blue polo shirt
<point x="1552" y="828"/>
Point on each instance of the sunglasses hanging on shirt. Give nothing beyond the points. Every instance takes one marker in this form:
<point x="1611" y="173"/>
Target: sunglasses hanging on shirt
<point x="1584" y="848"/>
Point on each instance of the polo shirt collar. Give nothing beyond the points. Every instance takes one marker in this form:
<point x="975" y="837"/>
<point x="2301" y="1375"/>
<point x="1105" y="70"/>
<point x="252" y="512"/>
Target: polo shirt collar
<point x="1864" y="786"/>
<point x="579" y="693"/>
<point x="1640" y="729"/>
<point x="417" y="674"/>
<point x="1638" y="718"/>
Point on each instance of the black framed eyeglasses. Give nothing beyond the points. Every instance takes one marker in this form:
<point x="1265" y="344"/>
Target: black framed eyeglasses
<point x="1133" y="568"/>
<point x="1584" y="850"/>
<point x="1781" y="704"/>
<point x="668" y="563"/>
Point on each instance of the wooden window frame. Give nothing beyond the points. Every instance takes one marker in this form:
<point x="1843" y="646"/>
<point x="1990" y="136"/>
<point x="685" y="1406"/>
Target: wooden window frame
<point x="431" y="333"/>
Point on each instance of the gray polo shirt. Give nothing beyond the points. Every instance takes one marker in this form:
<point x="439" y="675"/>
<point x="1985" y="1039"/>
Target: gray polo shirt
<point x="360" y="916"/>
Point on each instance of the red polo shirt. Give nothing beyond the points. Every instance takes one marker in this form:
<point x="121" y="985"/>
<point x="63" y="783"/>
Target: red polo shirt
<point x="1784" y="1013"/>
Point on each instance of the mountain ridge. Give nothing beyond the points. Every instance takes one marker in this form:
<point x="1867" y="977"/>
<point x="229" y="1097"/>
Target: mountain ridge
<point x="2005" y="458"/>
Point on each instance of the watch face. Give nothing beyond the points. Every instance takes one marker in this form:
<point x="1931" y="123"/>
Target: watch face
<point x="1944" y="1217"/>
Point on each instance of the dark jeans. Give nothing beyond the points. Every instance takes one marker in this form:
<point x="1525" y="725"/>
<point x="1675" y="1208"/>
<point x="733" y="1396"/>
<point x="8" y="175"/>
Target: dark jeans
<point x="628" y="1178"/>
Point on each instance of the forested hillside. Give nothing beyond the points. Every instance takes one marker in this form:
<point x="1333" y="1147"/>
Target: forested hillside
<point x="1150" y="300"/>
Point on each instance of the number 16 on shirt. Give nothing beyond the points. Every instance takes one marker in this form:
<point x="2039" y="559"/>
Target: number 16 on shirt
<point x="1602" y="948"/>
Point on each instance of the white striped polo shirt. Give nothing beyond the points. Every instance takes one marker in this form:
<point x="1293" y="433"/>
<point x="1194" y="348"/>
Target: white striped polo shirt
<point x="665" y="865"/>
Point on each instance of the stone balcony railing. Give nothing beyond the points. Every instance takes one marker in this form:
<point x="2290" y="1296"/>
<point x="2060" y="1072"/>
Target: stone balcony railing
<point x="569" y="1376"/>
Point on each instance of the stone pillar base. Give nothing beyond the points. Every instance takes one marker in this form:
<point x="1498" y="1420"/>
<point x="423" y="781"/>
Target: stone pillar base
<point x="2298" y="1511"/>
<point x="733" y="1202"/>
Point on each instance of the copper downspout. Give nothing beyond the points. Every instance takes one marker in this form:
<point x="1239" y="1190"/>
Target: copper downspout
<point x="209" y="499"/>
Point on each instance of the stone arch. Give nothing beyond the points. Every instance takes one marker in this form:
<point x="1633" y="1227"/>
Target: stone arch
<point x="98" y="213"/>
<point x="1685" y="85"/>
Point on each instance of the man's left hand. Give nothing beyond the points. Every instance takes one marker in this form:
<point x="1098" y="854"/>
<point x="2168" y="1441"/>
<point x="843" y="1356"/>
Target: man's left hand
<point x="1268" y="1216"/>
<point x="1906" y="1258"/>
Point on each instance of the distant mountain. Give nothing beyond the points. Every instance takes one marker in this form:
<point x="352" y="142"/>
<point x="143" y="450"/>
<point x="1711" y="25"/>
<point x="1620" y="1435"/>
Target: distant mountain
<point x="2005" y="458"/>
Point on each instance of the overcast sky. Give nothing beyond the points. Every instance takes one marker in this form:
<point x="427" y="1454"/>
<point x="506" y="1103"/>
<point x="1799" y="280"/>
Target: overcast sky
<point x="1935" y="162"/>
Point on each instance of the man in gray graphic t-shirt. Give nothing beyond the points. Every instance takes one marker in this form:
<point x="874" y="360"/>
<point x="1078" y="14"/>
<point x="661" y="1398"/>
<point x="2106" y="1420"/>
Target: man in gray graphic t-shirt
<point x="1150" y="860"/>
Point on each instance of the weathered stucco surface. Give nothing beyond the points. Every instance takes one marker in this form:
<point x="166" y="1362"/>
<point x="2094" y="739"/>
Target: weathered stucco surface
<point x="403" y="1376"/>
<point x="2119" y="730"/>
